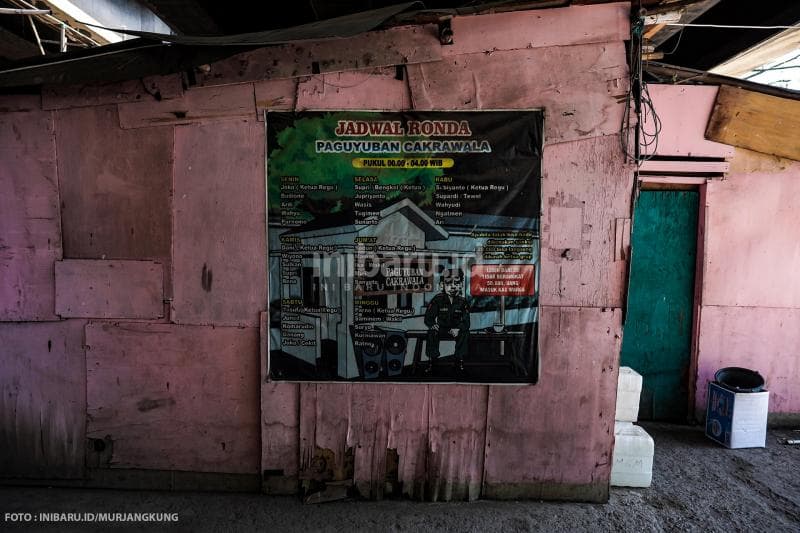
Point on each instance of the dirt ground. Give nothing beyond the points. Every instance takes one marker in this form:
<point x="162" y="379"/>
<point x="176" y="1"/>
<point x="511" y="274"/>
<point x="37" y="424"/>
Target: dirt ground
<point x="697" y="486"/>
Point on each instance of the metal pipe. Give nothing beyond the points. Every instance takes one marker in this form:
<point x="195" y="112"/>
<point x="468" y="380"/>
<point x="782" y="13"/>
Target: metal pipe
<point x="14" y="11"/>
<point x="63" y="32"/>
<point x="36" y="34"/>
<point x="53" y="21"/>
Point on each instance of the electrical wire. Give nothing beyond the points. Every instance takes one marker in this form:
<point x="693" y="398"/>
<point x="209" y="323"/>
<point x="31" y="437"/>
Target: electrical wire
<point x="641" y="131"/>
<point x="730" y="26"/>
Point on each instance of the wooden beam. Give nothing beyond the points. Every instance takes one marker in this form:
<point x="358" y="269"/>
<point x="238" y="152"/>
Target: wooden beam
<point x="756" y="121"/>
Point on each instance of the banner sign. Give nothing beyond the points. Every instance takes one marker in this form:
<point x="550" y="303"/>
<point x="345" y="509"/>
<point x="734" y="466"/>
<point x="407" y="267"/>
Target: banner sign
<point x="404" y="246"/>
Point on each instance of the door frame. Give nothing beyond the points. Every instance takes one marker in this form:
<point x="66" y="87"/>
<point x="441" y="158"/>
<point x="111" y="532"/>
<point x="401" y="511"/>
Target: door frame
<point x="687" y="183"/>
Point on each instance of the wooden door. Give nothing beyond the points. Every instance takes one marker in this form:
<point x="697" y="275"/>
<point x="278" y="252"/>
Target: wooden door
<point x="658" y="326"/>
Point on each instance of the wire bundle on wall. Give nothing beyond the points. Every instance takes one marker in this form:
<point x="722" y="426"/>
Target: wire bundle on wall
<point x="641" y="124"/>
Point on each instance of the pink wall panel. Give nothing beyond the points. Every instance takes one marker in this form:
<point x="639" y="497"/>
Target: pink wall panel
<point x="175" y="397"/>
<point x="753" y="250"/>
<point x="109" y="289"/>
<point x="579" y="101"/>
<point x="278" y="95"/>
<point x="457" y="441"/>
<point x="540" y="28"/>
<point x="198" y="104"/>
<point x="220" y="272"/>
<point x="148" y="88"/>
<point x="115" y="187"/>
<point x="376" y="89"/>
<point x="765" y="340"/>
<point x="379" y="434"/>
<point x="586" y="186"/>
<point x="396" y="46"/>
<point x="42" y="399"/>
<point x="683" y="111"/>
<point x="554" y="439"/>
<point x="20" y="102"/>
<point x="30" y="233"/>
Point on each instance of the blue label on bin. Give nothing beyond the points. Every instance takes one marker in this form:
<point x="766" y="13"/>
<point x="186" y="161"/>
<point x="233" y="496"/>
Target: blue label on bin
<point x="719" y="414"/>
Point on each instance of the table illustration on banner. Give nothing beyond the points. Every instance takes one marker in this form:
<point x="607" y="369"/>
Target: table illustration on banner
<point x="404" y="246"/>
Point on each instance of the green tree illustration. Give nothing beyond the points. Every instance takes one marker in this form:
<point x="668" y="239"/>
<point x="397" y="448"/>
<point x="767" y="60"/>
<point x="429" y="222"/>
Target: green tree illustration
<point x="295" y="155"/>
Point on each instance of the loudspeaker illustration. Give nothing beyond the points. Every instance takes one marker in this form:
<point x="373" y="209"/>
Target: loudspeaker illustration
<point x="368" y="347"/>
<point x="394" y="345"/>
<point x="380" y="351"/>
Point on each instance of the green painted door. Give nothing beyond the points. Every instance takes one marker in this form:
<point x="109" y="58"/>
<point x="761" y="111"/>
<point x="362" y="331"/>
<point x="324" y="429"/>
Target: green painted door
<point x="658" y="325"/>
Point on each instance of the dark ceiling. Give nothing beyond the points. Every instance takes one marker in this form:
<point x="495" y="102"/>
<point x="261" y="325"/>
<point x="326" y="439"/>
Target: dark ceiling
<point x="697" y="48"/>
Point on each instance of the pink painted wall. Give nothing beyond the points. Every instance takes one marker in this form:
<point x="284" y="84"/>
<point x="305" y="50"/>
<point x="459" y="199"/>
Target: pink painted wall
<point x="749" y="302"/>
<point x="180" y="182"/>
<point x="750" y="314"/>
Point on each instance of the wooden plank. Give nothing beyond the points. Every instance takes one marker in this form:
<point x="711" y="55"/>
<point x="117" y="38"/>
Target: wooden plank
<point x="280" y="426"/>
<point x="214" y="103"/>
<point x="30" y="238"/>
<point x="587" y="177"/>
<point x="276" y="95"/>
<point x="220" y="272"/>
<point x="42" y="399"/>
<point x="109" y="289"/>
<point x="539" y="28"/>
<point x="367" y="434"/>
<point x="378" y="89"/>
<point x="107" y="174"/>
<point x="752" y="257"/>
<point x="582" y="101"/>
<point x="683" y="112"/>
<point x="756" y="121"/>
<point x="763" y="339"/>
<point x="164" y="396"/>
<point x="375" y="436"/>
<point x="457" y="441"/>
<point x="692" y="167"/>
<point x="395" y="46"/>
<point x="150" y="88"/>
<point x="408" y="437"/>
<point x="12" y="103"/>
<point x="553" y="440"/>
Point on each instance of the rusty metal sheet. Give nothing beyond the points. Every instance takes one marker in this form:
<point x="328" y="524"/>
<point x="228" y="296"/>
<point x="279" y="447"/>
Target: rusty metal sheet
<point x="163" y="396"/>
<point x="584" y="100"/>
<point x="42" y="399"/>
<point x="220" y="260"/>
<point x="396" y="46"/>
<point x="457" y="441"/>
<point x="150" y="88"/>
<point x="378" y="89"/>
<point x="30" y="232"/>
<point x="199" y="104"/>
<point x="586" y="186"/>
<point x="554" y="440"/>
<point x="540" y="28"/>
<point x="115" y="187"/>
<point x="109" y="289"/>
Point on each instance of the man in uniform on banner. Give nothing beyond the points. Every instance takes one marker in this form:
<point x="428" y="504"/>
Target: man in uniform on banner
<point x="447" y="317"/>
